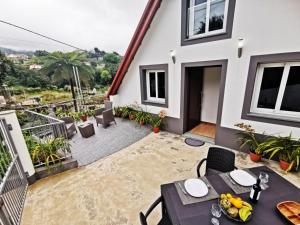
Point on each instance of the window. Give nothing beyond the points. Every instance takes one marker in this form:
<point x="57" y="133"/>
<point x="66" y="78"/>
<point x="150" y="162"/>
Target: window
<point x="206" y="20"/>
<point x="277" y="89"/>
<point x="207" y="17"/>
<point x="155" y="86"/>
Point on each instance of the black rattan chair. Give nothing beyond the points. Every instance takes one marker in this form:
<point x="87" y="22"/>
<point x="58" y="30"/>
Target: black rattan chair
<point x="165" y="218"/>
<point x="218" y="160"/>
<point x="70" y="126"/>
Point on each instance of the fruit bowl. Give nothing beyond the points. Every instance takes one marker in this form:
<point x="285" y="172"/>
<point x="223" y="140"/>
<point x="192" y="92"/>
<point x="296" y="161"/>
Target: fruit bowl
<point x="235" y="208"/>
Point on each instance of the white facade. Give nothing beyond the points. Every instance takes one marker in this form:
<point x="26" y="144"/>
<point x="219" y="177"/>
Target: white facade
<point x="210" y="96"/>
<point x="267" y="27"/>
<point x="18" y="140"/>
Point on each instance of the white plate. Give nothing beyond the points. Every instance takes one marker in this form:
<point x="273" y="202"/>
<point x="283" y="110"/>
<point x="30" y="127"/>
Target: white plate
<point x="196" y="188"/>
<point x="242" y="177"/>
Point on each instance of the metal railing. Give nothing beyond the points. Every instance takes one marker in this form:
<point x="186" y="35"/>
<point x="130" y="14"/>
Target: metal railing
<point x="42" y="128"/>
<point x="82" y="103"/>
<point x="13" y="184"/>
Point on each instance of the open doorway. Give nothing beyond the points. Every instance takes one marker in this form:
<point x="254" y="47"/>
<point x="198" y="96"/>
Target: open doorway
<point x="202" y="98"/>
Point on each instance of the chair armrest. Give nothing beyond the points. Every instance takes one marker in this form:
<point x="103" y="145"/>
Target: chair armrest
<point x="152" y="207"/>
<point x="67" y="119"/>
<point x="108" y="115"/>
<point x="99" y="111"/>
<point x="199" y="166"/>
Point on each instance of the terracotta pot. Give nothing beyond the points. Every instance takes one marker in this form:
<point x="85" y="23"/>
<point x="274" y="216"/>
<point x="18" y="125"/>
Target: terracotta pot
<point x="284" y="165"/>
<point x="255" y="157"/>
<point x="142" y="123"/>
<point x="83" y="118"/>
<point x="155" y="129"/>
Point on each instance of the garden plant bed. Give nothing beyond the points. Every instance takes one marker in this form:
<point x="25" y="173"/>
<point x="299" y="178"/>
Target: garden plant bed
<point x="43" y="172"/>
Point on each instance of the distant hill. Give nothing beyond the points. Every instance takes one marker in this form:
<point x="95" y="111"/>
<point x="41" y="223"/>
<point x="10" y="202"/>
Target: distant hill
<point x="12" y="51"/>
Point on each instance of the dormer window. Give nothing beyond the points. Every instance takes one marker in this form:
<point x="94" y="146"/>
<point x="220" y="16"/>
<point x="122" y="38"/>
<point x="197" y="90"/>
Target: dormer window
<point x="207" y="17"/>
<point x="206" y="20"/>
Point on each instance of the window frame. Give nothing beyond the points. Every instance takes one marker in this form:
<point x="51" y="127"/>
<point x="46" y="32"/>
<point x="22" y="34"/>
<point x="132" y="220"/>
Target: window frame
<point x="154" y="99"/>
<point x="254" y="62"/>
<point x="207" y="33"/>
<point x="257" y="86"/>
<point x="186" y="40"/>
<point x="143" y="84"/>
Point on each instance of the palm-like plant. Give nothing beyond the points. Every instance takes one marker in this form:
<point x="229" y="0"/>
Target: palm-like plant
<point x="287" y="148"/>
<point x="60" y="65"/>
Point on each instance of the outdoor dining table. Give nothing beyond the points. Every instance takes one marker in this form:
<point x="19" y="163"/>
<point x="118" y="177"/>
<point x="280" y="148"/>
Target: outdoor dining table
<point x="264" y="213"/>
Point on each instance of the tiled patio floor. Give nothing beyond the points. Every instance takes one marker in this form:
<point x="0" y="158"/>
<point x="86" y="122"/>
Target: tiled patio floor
<point x="114" y="189"/>
<point x="106" y="141"/>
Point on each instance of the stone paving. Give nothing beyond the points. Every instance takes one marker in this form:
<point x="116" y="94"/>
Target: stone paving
<point x="114" y="189"/>
<point x="106" y="141"/>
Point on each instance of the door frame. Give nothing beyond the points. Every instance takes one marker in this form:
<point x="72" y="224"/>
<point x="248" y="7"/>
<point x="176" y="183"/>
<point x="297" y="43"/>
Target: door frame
<point x="184" y="92"/>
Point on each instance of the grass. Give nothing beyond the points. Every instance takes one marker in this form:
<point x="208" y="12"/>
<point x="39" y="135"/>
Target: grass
<point x="48" y="96"/>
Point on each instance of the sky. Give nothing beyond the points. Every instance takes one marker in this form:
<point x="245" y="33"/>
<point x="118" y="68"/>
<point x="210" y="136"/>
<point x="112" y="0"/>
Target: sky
<point x="106" y="24"/>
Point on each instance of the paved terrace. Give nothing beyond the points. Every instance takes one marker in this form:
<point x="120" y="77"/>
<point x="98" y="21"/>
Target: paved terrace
<point x="114" y="189"/>
<point x="106" y="141"/>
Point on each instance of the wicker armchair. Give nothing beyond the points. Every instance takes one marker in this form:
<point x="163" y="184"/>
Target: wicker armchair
<point x="105" y="118"/>
<point x="70" y="126"/>
<point x="108" y="105"/>
<point x="218" y="160"/>
<point x="165" y="218"/>
<point x="99" y="112"/>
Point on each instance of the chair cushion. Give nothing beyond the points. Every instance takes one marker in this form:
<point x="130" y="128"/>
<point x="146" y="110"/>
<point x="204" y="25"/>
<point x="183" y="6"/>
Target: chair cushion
<point x="69" y="125"/>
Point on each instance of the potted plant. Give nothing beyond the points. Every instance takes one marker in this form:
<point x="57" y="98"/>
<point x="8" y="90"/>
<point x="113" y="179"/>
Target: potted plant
<point x="118" y="111"/>
<point x="248" y="138"/>
<point x="47" y="152"/>
<point x="126" y="112"/>
<point x="75" y="116"/>
<point x="83" y="115"/>
<point x="132" y="115"/>
<point x="287" y="148"/>
<point x="157" y="120"/>
<point x="141" y="117"/>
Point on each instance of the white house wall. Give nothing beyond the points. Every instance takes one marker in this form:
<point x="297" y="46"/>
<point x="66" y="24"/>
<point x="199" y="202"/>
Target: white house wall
<point x="267" y="26"/>
<point x="210" y="94"/>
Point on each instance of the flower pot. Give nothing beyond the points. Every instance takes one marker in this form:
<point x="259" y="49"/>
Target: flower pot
<point x="142" y="122"/>
<point x="155" y="129"/>
<point x="255" y="157"/>
<point x="284" y="165"/>
<point x="83" y="118"/>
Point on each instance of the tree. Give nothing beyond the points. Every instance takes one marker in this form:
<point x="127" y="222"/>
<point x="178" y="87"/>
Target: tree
<point x="5" y="67"/>
<point x="60" y="65"/>
<point x="98" y="53"/>
<point x="105" y="76"/>
<point x="41" y="53"/>
<point x="21" y="75"/>
<point x="112" y="61"/>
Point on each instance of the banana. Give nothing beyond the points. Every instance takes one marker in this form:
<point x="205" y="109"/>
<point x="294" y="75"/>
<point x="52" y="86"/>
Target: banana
<point x="246" y="204"/>
<point x="244" y="213"/>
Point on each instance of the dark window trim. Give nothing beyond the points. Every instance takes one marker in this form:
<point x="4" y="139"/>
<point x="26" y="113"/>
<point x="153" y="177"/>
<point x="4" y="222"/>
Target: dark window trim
<point x="221" y="36"/>
<point x="254" y="62"/>
<point x="183" y="100"/>
<point x="143" y="84"/>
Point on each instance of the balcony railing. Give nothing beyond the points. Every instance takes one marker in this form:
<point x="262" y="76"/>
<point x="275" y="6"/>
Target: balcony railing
<point x="41" y="128"/>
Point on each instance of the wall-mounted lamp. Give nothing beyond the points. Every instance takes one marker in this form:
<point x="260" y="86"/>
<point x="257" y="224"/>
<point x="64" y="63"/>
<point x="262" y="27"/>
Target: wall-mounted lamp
<point x="240" y="47"/>
<point x="173" y="56"/>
